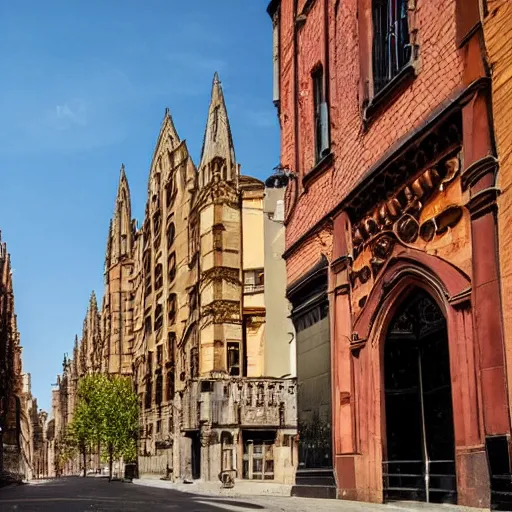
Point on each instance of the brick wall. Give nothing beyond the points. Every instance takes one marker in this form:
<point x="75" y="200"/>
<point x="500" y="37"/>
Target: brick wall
<point x="355" y="148"/>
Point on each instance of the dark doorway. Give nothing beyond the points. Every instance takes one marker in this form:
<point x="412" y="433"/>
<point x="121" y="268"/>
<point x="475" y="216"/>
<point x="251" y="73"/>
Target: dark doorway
<point x="419" y="459"/>
<point x="196" y="456"/>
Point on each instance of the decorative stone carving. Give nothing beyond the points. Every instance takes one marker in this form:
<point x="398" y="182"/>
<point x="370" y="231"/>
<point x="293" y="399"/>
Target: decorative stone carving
<point x="221" y="311"/>
<point x="397" y="218"/>
<point x="439" y="224"/>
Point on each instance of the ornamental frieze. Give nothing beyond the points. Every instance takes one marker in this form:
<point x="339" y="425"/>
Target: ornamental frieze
<point x="417" y="215"/>
<point x="231" y="275"/>
<point x="221" y="311"/>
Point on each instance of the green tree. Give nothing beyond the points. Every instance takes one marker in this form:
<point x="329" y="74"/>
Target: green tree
<point x="120" y="427"/>
<point x="85" y="430"/>
<point x="106" y="414"/>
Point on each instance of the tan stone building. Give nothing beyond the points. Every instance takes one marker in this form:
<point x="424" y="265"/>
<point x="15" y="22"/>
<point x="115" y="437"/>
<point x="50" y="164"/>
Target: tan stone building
<point x="184" y="314"/>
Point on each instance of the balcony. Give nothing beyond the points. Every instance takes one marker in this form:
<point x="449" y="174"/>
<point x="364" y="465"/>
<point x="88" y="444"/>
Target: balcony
<point x="248" y="402"/>
<point x="253" y="288"/>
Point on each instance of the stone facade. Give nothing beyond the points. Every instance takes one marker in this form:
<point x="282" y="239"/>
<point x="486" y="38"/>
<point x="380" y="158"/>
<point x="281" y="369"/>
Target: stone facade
<point x="183" y="314"/>
<point x="15" y="395"/>
<point x="388" y="149"/>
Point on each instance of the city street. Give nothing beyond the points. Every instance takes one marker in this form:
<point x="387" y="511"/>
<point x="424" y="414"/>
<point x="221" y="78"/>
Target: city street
<point x="97" y="495"/>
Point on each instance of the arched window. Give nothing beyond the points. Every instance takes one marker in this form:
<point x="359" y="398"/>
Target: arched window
<point x="159" y="318"/>
<point x="159" y="278"/>
<point x="156" y="227"/>
<point x="171" y="267"/>
<point x="172" y="308"/>
<point x="171" y="233"/>
<point x="147" y="272"/>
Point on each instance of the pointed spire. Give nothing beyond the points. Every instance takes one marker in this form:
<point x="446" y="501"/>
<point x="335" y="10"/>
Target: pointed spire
<point x="109" y="247"/>
<point x="93" y="303"/>
<point x="218" y="142"/>
<point x="75" y="356"/>
<point x="168" y="129"/>
<point x="120" y="240"/>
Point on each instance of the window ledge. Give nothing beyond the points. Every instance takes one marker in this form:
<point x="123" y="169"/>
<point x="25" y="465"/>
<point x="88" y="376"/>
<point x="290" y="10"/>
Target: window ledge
<point x="320" y="167"/>
<point x="389" y="93"/>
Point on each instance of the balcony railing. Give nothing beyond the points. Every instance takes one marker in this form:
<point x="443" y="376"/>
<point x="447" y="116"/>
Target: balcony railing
<point x="250" y="402"/>
<point x="253" y="288"/>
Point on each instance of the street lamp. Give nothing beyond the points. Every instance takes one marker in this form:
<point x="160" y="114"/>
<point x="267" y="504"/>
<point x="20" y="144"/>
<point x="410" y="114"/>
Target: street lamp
<point x="281" y="177"/>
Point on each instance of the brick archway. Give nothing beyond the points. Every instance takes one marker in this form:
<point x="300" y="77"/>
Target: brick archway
<point x="406" y="270"/>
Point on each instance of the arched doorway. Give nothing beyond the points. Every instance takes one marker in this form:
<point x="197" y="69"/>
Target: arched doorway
<point x="419" y="455"/>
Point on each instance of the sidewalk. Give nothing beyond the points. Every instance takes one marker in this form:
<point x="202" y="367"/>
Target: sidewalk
<point x="276" y="498"/>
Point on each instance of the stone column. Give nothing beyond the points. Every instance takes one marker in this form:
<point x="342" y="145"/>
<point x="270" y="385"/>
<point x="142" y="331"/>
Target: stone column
<point x="344" y="435"/>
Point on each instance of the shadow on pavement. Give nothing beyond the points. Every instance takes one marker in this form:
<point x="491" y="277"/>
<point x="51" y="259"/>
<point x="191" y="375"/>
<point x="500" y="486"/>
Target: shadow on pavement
<point x="70" y="494"/>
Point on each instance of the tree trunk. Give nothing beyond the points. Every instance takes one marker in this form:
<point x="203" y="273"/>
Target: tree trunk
<point x="84" y="455"/>
<point x="98" y="469"/>
<point x="110" y="460"/>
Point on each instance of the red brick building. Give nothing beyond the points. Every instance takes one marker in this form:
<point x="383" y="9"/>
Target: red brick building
<point x="392" y="256"/>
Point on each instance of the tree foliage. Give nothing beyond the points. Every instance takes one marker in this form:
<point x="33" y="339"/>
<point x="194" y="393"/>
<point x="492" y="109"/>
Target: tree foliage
<point x="106" y="414"/>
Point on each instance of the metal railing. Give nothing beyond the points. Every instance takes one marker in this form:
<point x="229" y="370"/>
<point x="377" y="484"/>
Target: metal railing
<point x="430" y="481"/>
<point x="253" y="288"/>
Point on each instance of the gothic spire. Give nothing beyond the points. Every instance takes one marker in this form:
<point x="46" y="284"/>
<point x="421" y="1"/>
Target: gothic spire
<point x="218" y="142"/>
<point x="120" y="240"/>
<point x="75" y="356"/>
<point x="93" y="303"/>
<point x="109" y="247"/>
<point x="168" y="140"/>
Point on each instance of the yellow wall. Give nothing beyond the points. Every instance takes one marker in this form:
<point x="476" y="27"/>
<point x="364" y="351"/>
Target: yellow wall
<point x="252" y="222"/>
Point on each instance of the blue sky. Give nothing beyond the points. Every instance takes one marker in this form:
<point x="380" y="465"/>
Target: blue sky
<point x="83" y="88"/>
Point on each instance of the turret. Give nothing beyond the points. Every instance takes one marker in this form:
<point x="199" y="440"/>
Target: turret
<point x="218" y="152"/>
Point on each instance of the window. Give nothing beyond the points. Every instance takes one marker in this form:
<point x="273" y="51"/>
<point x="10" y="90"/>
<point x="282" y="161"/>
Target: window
<point x="193" y="237"/>
<point x="254" y="280"/>
<point x="170" y="386"/>
<point x="171" y="340"/>
<point x="171" y="232"/>
<point x="156" y="224"/>
<point x="158" y="426"/>
<point x="194" y="363"/>
<point x="148" y="397"/>
<point x="321" y="115"/>
<point x="159" y="355"/>
<point x="234" y="358"/>
<point x="171" y="308"/>
<point x="147" y="326"/>
<point x="171" y="266"/>
<point x="192" y="299"/>
<point x="391" y="48"/>
<point x="147" y="272"/>
<point x="170" y="192"/>
<point x="159" y="389"/>
<point x="159" y="317"/>
<point x="150" y="363"/>
<point x="159" y="278"/>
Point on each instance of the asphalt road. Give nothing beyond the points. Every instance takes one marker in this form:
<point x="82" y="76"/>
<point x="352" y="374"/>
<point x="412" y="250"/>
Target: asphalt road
<point x="97" y="495"/>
